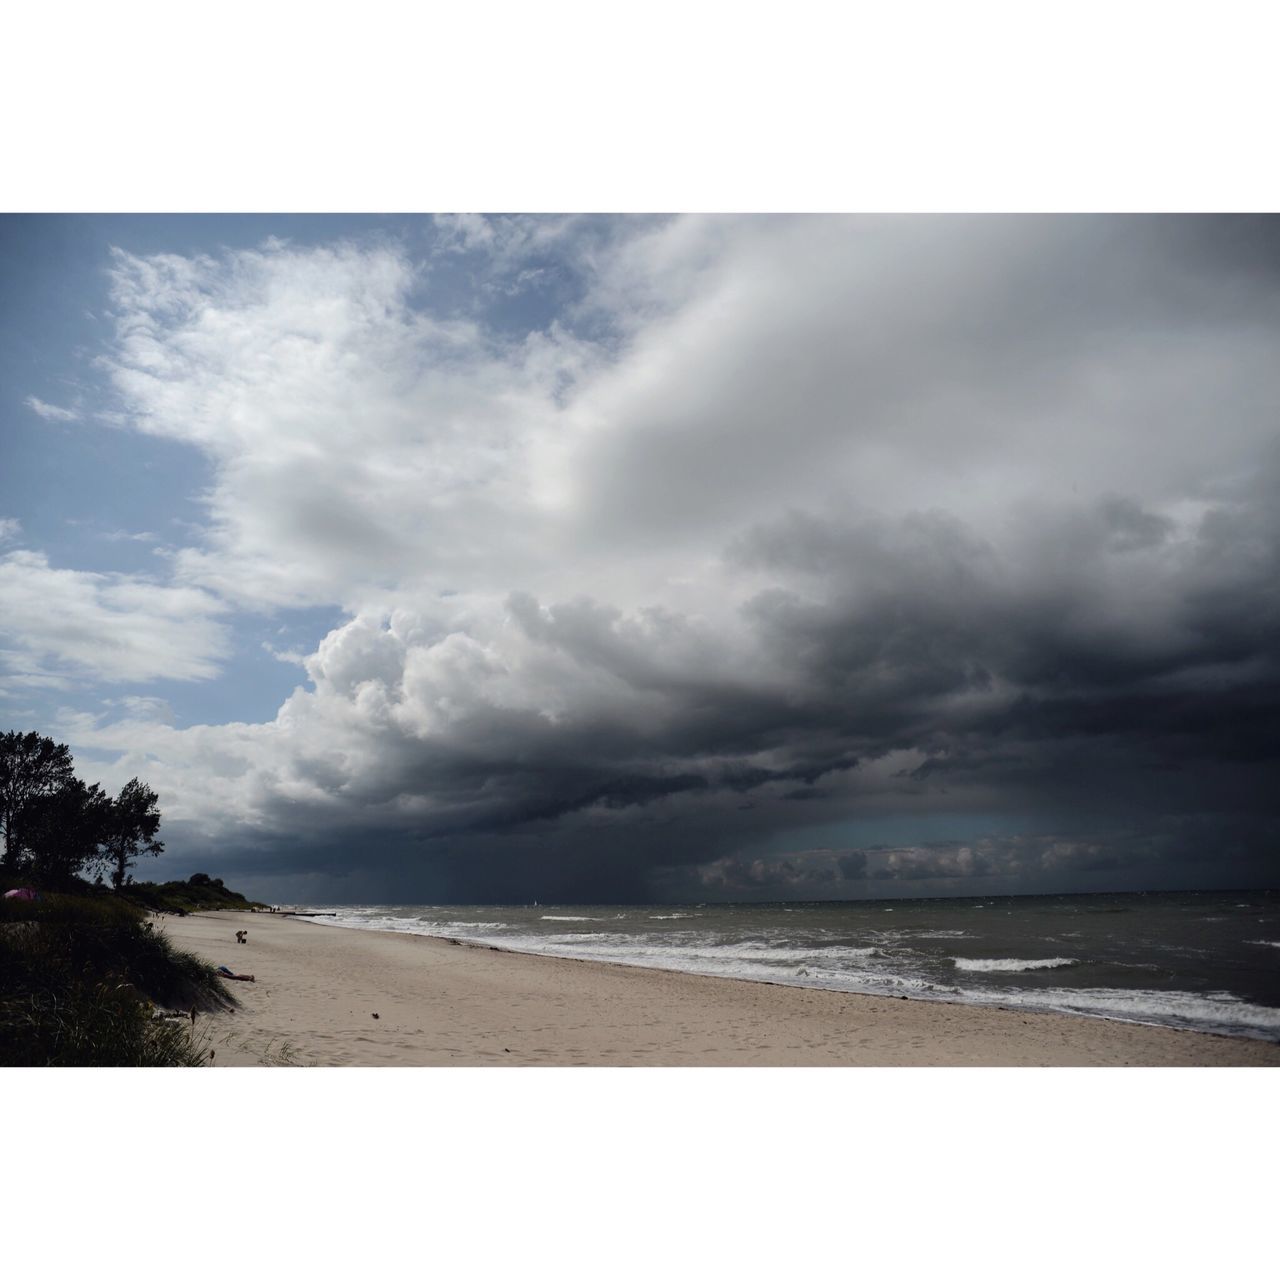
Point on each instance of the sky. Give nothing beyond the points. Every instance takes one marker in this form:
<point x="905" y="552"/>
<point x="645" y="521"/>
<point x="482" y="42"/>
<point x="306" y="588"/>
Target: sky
<point x="635" y="558"/>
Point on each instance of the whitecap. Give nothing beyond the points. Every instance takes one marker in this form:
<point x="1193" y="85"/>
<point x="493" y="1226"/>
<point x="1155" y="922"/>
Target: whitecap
<point x="1211" y="1011"/>
<point x="1009" y="966"/>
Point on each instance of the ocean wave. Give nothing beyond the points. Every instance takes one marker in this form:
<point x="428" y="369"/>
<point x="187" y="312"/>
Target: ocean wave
<point x="1263" y="942"/>
<point x="1010" y="966"/>
<point x="701" y="953"/>
<point x="798" y="954"/>
<point x="576" y="918"/>
<point x="1213" y="1011"/>
<point x="757" y="953"/>
<point x="409" y="924"/>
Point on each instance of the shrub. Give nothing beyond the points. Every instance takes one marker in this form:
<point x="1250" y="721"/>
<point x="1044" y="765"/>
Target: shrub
<point x="80" y="977"/>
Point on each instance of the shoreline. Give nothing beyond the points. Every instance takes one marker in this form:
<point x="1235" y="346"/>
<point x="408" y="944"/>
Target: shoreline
<point x="1028" y="1010"/>
<point x="444" y="1001"/>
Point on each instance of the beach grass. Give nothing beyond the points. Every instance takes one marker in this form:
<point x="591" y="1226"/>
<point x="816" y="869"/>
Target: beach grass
<point x="84" y="979"/>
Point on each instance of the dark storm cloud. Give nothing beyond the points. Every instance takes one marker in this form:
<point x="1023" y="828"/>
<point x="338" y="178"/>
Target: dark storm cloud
<point x="1015" y="675"/>
<point x="848" y="519"/>
<point x="1022" y="674"/>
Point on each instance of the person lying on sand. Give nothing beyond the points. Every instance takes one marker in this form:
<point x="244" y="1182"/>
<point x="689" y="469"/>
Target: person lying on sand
<point x="224" y="972"/>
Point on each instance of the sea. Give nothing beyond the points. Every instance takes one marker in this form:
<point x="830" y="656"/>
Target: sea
<point x="1203" y="961"/>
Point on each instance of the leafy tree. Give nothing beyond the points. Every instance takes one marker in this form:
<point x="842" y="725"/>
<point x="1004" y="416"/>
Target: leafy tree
<point x="131" y="827"/>
<point x="66" y="830"/>
<point x="30" y="767"/>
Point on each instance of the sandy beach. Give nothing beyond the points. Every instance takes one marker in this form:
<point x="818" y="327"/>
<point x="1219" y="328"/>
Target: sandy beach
<point x="439" y="1003"/>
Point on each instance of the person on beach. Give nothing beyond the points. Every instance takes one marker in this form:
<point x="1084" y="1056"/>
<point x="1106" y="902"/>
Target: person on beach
<point x="224" y="972"/>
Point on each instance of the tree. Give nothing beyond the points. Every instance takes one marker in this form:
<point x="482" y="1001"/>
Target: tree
<point x="30" y="767"/>
<point x="66" y="830"/>
<point x="131" y="827"/>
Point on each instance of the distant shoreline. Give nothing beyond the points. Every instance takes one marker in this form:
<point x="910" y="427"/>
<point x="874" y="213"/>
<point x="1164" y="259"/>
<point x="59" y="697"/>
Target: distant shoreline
<point x="442" y="1002"/>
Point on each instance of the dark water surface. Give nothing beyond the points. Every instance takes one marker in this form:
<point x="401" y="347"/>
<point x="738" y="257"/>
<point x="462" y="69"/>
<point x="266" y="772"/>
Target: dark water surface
<point x="1207" y="961"/>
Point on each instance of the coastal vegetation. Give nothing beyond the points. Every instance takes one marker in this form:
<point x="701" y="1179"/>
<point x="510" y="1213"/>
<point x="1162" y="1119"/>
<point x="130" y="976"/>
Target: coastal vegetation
<point x="200" y="893"/>
<point x="86" y="979"/>
<point x="56" y="827"/>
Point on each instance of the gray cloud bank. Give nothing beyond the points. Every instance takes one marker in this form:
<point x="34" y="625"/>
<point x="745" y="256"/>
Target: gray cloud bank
<point x="782" y="525"/>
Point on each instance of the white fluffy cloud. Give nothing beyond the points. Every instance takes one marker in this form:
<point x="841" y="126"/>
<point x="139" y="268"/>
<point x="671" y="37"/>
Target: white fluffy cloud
<point x="361" y="446"/>
<point x="369" y="445"/>
<point x="104" y="626"/>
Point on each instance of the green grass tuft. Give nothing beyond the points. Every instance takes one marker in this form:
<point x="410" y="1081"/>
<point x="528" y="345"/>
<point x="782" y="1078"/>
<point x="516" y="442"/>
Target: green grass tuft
<point x="80" y="979"/>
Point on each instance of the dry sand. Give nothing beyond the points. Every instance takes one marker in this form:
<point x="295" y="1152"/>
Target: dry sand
<point x="445" y="1004"/>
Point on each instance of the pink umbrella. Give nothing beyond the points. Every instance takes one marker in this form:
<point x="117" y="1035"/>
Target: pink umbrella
<point x="23" y="895"/>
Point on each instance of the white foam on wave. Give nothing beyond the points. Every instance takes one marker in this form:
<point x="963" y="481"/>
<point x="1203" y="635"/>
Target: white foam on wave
<point x="1263" y="942"/>
<point x="407" y="924"/>
<point x="754" y="953"/>
<point x="1009" y="966"/>
<point x="677" y="915"/>
<point x="575" y="919"/>
<point x="1212" y="1011"/>
<point x="798" y="954"/>
<point x="701" y="954"/>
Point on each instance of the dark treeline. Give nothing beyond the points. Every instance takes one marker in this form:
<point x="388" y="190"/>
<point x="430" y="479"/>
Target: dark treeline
<point x="57" y="828"/>
<point x="86" y="979"/>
